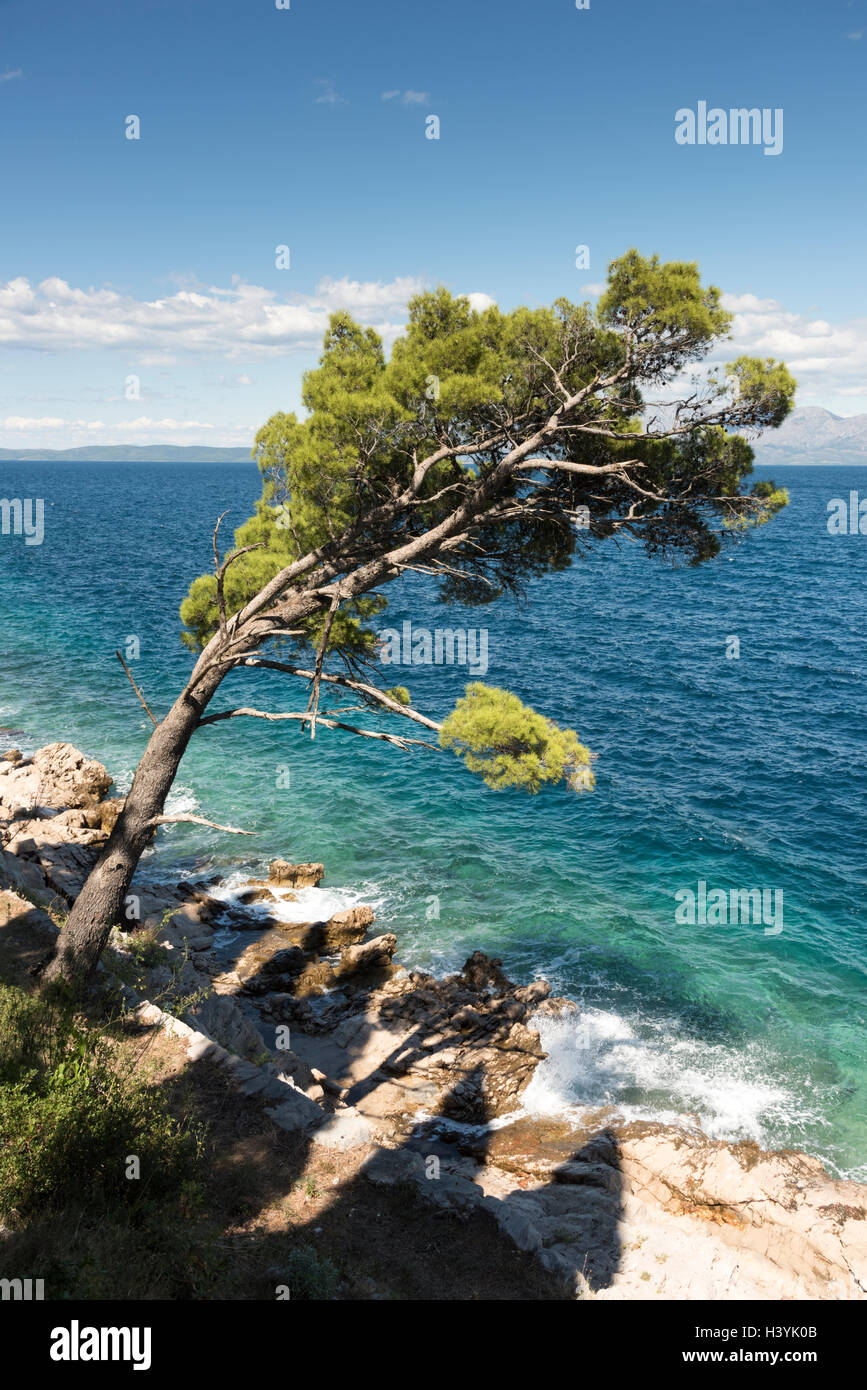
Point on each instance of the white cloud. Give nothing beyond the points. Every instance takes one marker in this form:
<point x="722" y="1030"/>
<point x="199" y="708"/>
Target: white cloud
<point x="195" y="324"/>
<point x="594" y="288"/>
<point x="369" y="296"/>
<point x="156" y="359"/>
<point x="55" y="432"/>
<point x="858" y="34"/>
<point x="827" y="359"/>
<point x="407" y="98"/>
<point x="142" y="425"/>
<point x="10" y="74"/>
<point x="244" y="321"/>
<point x="480" y="301"/>
<point x="25" y="422"/>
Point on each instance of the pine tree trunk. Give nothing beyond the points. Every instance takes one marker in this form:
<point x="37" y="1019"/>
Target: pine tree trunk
<point x="100" y="904"/>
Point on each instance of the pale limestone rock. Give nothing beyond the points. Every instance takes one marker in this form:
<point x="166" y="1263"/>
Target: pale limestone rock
<point x="295" y="875"/>
<point x="367" y="955"/>
<point x="346" y="1129"/>
<point x="56" y="777"/>
<point x="25" y="878"/>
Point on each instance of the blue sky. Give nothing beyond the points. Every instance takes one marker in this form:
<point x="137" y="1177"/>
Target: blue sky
<point x="155" y="258"/>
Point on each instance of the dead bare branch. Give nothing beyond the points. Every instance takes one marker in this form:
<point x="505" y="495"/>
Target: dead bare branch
<point x="361" y="686"/>
<point x="220" y="570"/>
<point x="395" y="739"/>
<point x="313" y="702"/>
<point x="198" y="820"/>
<point x="136" y="689"/>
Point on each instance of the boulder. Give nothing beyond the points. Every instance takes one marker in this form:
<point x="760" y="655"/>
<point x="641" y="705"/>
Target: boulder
<point x="483" y="972"/>
<point x="314" y="979"/>
<point x="533" y="994"/>
<point x="74" y="779"/>
<point x="27" y="938"/>
<point x="295" y="875"/>
<point x="57" y="777"/>
<point x="557" y="1008"/>
<point x="66" y="866"/>
<point x="368" y="955"/>
<point x="295" y="1070"/>
<point x="345" y="928"/>
<point x="346" y="1129"/>
<point x="24" y="878"/>
<point x="296" y="1111"/>
<point x="261" y="895"/>
<point x="487" y="1082"/>
<point x="102" y="817"/>
<point x="189" y="928"/>
<point x="262" y="969"/>
<point x="422" y="1043"/>
<point x="550" y="1150"/>
<point x="285" y="1008"/>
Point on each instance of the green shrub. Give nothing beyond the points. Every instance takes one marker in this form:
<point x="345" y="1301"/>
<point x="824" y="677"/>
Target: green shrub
<point x="71" y="1116"/>
<point x="309" y="1276"/>
<point x="145" y="948"/>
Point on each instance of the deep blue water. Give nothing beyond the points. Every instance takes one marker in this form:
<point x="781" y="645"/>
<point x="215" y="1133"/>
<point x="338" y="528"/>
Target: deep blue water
<point x="742" y="773"/>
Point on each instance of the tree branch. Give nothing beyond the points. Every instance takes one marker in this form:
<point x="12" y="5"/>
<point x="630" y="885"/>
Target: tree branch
<point x="394" y="739"/>
<point x="313" y="702"/>
<point x="592" y="469"/>
<point x="197" y="820"/>
<point x="220" y="569"/>
<point x="135" y="688"/>
<point x="362" y="687"/>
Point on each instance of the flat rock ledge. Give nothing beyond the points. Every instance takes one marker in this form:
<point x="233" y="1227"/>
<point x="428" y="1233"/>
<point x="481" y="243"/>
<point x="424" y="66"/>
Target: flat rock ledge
<point x="418" y="1081"/>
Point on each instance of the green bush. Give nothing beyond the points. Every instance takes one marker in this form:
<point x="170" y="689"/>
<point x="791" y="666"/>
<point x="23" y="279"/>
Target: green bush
<point x="71" y="1115"/>
<point x="145" y="948"/>
<point x="309" y="1276"/>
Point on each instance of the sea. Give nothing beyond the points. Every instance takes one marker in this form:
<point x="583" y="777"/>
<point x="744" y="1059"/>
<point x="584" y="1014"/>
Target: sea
<point x="726" y="707"/>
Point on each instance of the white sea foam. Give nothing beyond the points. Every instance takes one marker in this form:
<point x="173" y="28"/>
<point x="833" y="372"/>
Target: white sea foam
<point x="305" y="905"/>
<point x="181" y="801"/>
<point x="652" y="1072"/>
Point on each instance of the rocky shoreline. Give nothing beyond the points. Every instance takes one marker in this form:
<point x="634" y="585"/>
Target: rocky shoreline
<point x="418" y="1080"/>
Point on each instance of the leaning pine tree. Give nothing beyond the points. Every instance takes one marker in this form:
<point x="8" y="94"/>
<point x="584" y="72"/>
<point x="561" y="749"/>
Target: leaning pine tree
<point x="489" y="448"/>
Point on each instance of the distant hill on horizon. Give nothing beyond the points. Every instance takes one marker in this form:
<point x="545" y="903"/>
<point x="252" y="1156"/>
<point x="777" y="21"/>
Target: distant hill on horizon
<point x="810" y="435"/>
<point x="129" y="453"/>
<point x="814" y="435"/>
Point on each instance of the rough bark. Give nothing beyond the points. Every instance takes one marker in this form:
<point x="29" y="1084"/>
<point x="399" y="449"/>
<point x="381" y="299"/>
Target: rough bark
<point x="100" y="904"/>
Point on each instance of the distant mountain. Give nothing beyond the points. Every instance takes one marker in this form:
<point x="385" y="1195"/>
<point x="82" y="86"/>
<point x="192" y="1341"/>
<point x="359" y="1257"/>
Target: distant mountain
<point x="809" y="435"/>
<point x="813" y="435"/>
<point x="129" y="453"/>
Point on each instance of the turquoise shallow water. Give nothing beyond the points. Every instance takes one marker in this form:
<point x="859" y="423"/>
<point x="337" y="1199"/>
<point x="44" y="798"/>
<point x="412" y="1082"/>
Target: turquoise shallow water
<point x="740" y="773"/>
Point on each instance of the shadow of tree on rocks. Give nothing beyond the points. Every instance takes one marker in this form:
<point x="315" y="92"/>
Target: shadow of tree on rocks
<point x="431" y="1197"/>
<point x="456" y="1055"/>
